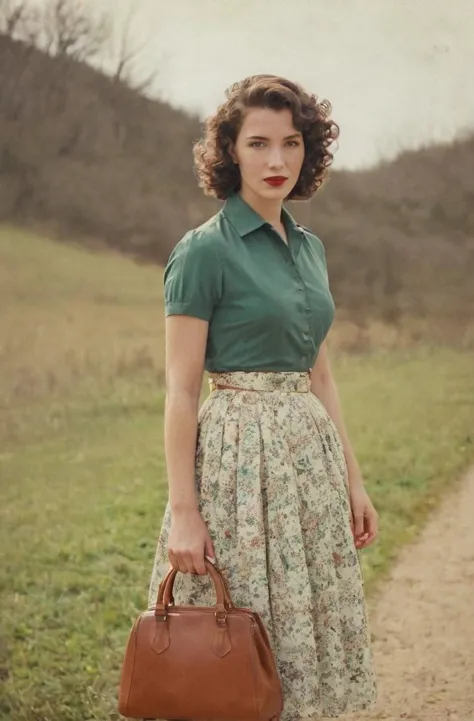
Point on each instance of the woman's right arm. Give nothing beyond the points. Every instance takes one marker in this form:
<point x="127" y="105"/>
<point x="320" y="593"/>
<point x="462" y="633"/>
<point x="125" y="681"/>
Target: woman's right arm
<point x="189" y="540"/>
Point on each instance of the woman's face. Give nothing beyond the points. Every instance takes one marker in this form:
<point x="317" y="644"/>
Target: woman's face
<point x="268" y="146"/>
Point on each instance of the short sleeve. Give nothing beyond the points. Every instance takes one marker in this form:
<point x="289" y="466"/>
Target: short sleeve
<point x="193" y="277"/>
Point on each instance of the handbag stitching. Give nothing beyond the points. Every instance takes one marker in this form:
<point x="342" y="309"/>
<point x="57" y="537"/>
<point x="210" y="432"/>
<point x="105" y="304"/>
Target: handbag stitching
<point x="264" y="632"/>
<point x="134" y="659"/>
<point x="252" y="660"/>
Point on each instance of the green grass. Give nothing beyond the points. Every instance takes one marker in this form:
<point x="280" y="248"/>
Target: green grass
<point x="81" y="514"/>
<point x="82" y="473"/>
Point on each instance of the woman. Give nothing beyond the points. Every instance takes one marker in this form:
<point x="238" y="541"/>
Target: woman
<point x="262" y="478"/>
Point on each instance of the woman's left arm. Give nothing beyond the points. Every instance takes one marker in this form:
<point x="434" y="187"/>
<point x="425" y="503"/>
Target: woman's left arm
<point x="364" y="516"/>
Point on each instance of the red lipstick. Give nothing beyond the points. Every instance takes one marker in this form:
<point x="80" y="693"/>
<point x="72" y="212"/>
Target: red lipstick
<point x="276" y="180"/>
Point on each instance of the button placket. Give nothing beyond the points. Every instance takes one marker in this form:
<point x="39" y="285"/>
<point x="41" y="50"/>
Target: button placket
<point x="290" y="261"/>
<point x="307" y="334"/>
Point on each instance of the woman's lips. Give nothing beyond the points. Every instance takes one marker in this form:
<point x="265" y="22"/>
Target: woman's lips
<point x="276" y="181"/>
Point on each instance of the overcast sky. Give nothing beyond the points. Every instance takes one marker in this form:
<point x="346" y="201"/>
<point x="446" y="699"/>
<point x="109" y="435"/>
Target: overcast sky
<point x="397" y="72"/>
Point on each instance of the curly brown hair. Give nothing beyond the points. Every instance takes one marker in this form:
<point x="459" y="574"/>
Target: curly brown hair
<point x="216" y="171"/>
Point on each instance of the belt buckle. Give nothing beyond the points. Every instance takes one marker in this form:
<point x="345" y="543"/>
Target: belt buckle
<point x="212" y="384"/>
<point x="301" y="386"/>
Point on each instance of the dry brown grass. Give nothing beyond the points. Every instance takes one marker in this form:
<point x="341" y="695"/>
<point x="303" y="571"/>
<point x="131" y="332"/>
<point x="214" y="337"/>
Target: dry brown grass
<point x="70" y="318"/>
<point x="372" y="334"/>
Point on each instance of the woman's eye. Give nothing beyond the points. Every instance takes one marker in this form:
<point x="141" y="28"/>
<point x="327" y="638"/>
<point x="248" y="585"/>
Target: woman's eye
<point x="260" y="143"/>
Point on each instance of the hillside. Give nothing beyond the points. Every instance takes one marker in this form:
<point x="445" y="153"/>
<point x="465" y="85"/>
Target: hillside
<point x="405" y="232"/>
<point x="95" y="161"/>
<point x="93" y="157"/>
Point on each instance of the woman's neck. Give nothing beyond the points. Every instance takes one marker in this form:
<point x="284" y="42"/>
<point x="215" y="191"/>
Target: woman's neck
<point x="270" y="210"/>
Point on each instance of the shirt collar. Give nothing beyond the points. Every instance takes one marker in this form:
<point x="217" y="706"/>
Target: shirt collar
<point x="245" y="219"/>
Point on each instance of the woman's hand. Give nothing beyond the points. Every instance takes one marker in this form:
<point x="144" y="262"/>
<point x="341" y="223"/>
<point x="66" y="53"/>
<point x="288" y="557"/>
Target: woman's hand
<point x="364" y="520"/>
<point x="189" y="541"/>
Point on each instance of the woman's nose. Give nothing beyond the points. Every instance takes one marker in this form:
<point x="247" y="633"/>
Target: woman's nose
<point x="276" y="158"/>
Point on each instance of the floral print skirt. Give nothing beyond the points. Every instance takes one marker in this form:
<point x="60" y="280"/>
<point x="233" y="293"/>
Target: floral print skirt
<point x="272" y="487"/>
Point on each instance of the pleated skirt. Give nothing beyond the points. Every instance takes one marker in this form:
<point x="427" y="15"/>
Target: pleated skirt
<point x="272" y="485"/>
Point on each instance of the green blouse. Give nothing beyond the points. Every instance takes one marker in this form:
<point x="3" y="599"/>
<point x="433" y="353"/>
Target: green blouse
<point x="269" y="305"/>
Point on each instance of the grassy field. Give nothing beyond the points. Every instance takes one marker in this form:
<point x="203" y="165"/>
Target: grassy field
<point x="82" y="473"/>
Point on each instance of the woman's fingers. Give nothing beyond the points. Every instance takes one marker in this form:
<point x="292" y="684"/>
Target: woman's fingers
<point x="177" y="562"/>
<point x="358" y="524"/>
<point x="188" y="561"/>
<point x="188" y="542"/>
<point x="370" y="528"/>
<point x="372" y="523"/>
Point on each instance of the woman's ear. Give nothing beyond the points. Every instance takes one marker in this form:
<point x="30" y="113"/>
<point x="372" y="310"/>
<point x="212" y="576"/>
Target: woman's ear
<point x="232" y="154"/>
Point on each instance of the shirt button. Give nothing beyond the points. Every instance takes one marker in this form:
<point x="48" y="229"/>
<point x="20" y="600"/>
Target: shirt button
<point x="300" y="290"/>
<point x="289" y="262"/>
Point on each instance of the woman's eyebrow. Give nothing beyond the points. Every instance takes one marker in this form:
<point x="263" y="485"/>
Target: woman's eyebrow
<point x="262" y="137"/>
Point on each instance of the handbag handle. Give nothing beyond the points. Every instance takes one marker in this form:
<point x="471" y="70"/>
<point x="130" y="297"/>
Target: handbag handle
<point x="166" y="580"/>
<point x="165" y="592"/>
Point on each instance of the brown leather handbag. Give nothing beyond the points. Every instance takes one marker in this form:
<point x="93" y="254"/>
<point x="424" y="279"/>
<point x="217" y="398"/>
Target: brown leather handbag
<point x="205" y="663"/>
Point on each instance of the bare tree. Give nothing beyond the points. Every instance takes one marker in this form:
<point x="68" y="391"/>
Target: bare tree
<point x="125" y="55"/>
<point x="15" y="16"/>
<point x="70" y="29"/>
<point x="59" y="27"/>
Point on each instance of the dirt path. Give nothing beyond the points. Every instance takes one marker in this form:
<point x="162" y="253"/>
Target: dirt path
<point x="423" y="622"/>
